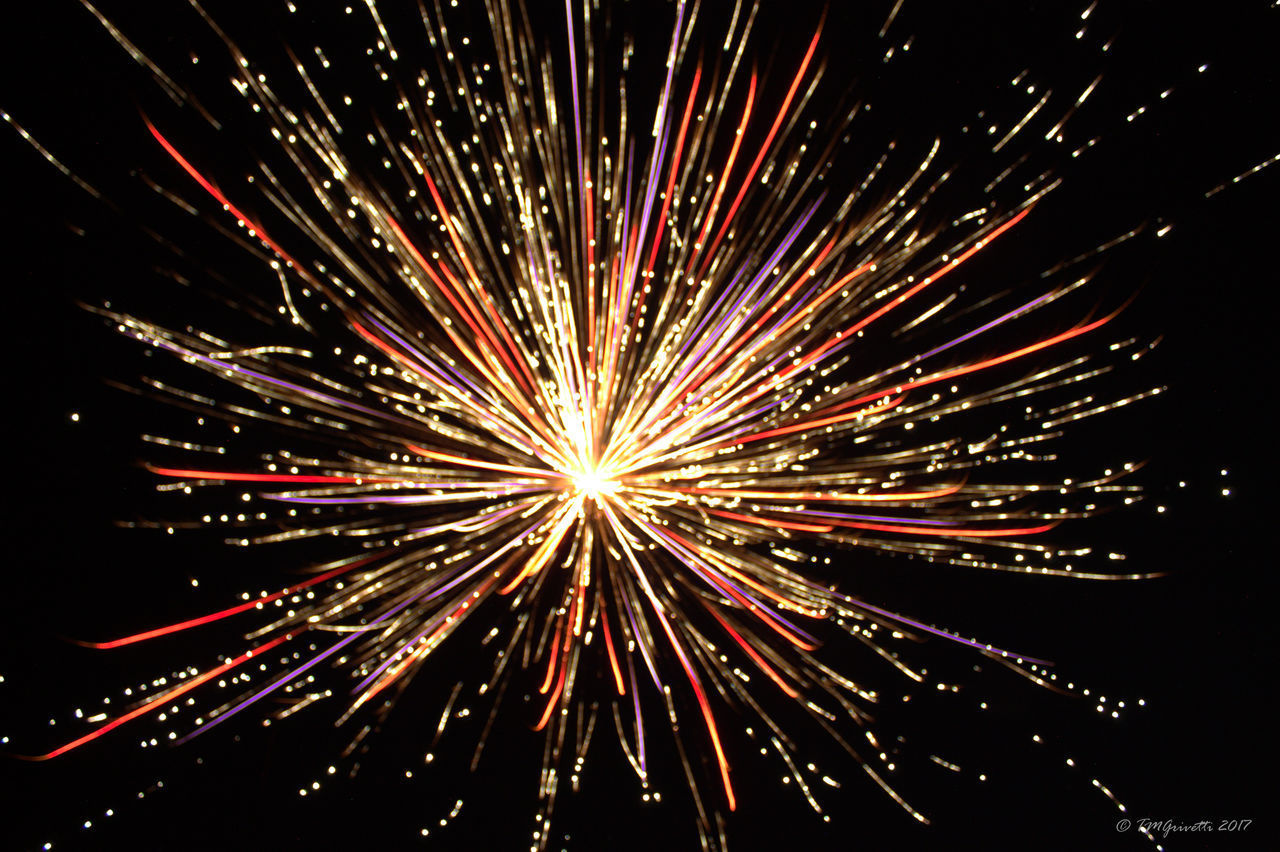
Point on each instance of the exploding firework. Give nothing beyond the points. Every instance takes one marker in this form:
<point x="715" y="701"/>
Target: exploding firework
<point x="584" y="358"/>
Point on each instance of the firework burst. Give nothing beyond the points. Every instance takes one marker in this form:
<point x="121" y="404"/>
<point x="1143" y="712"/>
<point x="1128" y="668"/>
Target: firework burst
<point x="608" y="373"/>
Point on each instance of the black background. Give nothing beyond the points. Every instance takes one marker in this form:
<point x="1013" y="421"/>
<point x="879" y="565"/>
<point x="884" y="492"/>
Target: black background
<point x="1196" y="645"/>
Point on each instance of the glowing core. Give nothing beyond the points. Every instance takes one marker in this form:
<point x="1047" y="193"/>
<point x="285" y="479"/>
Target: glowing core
<point x="593" y="483"/>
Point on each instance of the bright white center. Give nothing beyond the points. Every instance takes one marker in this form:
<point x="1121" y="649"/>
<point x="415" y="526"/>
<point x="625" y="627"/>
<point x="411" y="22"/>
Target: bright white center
<point x="592" y="484"/>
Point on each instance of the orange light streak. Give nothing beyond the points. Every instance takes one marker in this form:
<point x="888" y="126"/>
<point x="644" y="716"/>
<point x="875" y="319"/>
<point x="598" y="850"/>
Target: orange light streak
<point x="157" y="701"/>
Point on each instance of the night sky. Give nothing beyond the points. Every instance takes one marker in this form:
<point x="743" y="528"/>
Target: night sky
<point x="1195" y="645"/>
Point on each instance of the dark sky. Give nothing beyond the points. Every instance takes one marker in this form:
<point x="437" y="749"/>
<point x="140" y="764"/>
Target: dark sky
<point x="1196" y="645"/>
